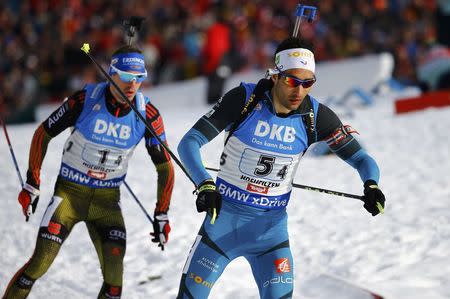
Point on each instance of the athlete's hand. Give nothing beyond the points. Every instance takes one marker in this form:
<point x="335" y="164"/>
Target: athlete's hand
<point x="373" y="198"/>
<point x="209" y="199"/>
<point x="161" y="229"/>
<point x="28" y="199"/>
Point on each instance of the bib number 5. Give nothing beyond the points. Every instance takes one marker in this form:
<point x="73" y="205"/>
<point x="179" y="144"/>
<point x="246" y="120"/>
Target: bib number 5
<point x="264" y="165"/>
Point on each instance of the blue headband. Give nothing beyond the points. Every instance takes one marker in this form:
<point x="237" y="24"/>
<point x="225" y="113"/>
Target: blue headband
<point x="128" y="62"/>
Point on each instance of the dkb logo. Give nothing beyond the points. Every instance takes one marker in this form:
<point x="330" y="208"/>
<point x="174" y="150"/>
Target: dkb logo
<point x="112" y="129"/>
<point x="275" y="131"/>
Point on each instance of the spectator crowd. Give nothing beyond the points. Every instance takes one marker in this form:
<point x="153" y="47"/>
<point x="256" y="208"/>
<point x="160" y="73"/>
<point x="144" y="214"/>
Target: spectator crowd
<point x="40" y="40"/>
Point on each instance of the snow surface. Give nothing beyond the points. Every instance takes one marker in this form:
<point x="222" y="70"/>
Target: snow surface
<point x="403" y="254"/>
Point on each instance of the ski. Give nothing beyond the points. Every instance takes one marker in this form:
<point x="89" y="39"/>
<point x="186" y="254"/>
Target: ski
<point x="330" y="286"/>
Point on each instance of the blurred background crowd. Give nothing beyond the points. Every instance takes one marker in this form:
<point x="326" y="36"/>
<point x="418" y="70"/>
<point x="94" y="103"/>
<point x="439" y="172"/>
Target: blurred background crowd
<point x="40" y="40"/>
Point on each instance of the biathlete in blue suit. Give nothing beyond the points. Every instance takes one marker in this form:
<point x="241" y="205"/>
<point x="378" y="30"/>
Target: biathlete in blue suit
<point x="270" y="125"/>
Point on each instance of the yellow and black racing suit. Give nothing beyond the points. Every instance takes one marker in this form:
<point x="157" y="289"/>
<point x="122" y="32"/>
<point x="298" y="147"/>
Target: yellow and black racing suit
<point x="99" y="208"/>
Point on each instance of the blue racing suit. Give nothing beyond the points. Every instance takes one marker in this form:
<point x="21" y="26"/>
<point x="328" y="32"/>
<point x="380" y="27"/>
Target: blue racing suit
<point x="257" y="168"/>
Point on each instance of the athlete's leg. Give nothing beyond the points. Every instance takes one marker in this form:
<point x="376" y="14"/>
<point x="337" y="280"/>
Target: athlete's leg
<point x="273" y="272"/>
<point x="107" y="231"/>
<point x="207" y="259"/>
<point x="56" y="224"/>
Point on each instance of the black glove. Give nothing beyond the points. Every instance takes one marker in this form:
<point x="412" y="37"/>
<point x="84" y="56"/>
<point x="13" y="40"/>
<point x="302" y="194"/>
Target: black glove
<point x="161" y="229"/>
<point x="373" y="198"/>
<point x="209" y="199"/>
<point x="28" y="199"/>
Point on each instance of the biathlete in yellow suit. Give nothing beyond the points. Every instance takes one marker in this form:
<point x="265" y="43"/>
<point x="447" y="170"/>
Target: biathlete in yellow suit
<point x="105" y="132"/>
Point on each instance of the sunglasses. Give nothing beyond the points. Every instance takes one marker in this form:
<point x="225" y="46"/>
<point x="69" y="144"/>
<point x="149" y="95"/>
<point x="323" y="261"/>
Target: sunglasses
<point x="293" y="81"/>
<point x="128" y="77"/>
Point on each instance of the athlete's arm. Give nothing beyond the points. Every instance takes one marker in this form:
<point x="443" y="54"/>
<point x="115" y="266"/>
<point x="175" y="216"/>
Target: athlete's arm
<point x="344" y="145"/>
<point x="160" y="158"/>
<point x="224" y="113"/>
<point x="60" y="119"/>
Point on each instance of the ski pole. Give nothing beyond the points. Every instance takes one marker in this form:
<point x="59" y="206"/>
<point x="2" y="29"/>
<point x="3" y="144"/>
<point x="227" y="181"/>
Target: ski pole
<point x="12" y="152"/>
<point x="86" y="50"/>
<point x="140" y="205"/>
<point x="327" y="191"/>
<point x="310" y="188"/>
<point x="33" y="205"/>
<point x="138" y="202"/>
